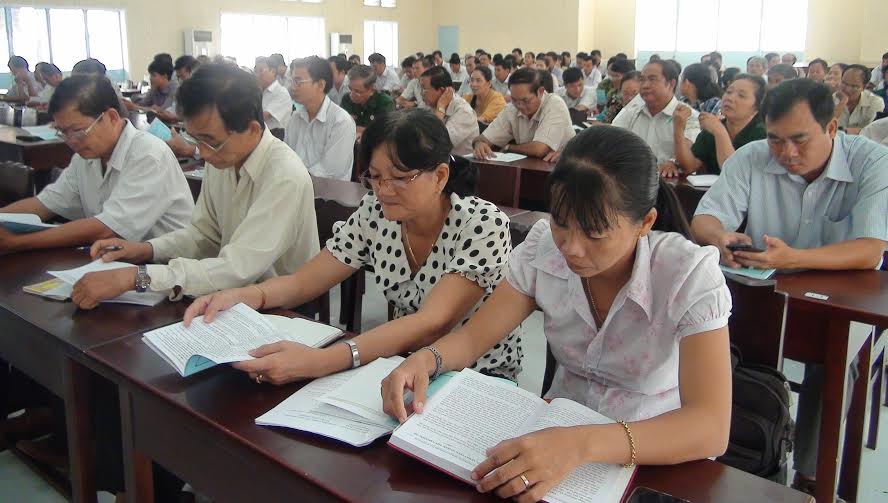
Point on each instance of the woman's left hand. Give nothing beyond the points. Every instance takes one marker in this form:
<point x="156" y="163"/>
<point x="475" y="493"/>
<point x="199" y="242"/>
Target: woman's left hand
<point x="711" y="123"/>
<point x="281" y="362"/>
<point x="543" y="457"/>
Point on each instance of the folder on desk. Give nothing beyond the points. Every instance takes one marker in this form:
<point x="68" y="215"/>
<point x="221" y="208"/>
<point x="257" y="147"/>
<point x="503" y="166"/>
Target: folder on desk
<point x="23" y="223"/>
<point x="160" y="130"/>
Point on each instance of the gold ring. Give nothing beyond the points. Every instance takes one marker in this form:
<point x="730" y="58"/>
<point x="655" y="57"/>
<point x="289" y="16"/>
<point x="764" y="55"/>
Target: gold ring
<point x="259" y="379"/>
<point x="526" y="482"/>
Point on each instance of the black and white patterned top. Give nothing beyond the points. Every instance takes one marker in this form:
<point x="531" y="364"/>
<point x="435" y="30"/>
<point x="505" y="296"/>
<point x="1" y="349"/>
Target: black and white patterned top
<point x="474" y="243"/>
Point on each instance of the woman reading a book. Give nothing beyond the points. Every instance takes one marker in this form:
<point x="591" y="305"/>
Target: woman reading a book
<point x="436" y="251"/>
<point x="635" y="314"/>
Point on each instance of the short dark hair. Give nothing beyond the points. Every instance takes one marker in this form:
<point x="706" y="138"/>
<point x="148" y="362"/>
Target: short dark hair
<point x="716" y="54"/>
<point x="439" y="78"/>
<point x="318" y="69"/>
<point x="234" y="92"/>
<point x="485" y="72"/>
<point x="164" y="56"/>
<point x="818" y="61"/>
<point x="572" y="75"/>
<point x="89" y="66"/>
<point x="546" y="80"/>
<point x="408" y="62"/>
<point x="161" y="67"/>
<point x="761" y="87"/>
<point x="771" y="55"/>
<point x="518" y="50"/>
<point x="262" y="60"/>
<point x="865" y="72"/>
<point x="437" y="53"/>
<point x="48" y="69"/>
<point x="91" y="94"/>
<point x="340" y="63"/>
<point x="417" y="140"/>
<point x="186" y="62"/>
<point x="782" y="98"/>
<point x="885" y="56"/>
<point x="670" y="70"/>
<point x="526" y="76"/>
<point x="363" y="73"/>
<point x="700" y="76"/>
<point x="730" y="75"/>
<point x="277" y="60"/>
<point x="794" y="57"/>
<point x="18" y="62"/>
<point x="497" y="58"/>
<point x="427" y="61"/>
<point x="622" y="65"/>
<point x="478" y="52"/>
<point x="605" y="172"/>
<point x="629" y="76"/>
<point x="376" y="58"/>
<point x="595" y="52"/>
<point x="507" y="63"/>
<point x="787" y="71"/>
<point x="621" y="55"/>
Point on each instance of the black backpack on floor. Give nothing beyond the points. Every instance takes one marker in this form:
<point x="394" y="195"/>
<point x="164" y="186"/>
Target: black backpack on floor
<point x="762" y="426"/>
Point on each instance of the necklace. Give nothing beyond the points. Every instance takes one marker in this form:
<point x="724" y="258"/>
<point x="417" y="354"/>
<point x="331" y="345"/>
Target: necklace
<point x="410" y="248"/>
<point x="595" y="314"/>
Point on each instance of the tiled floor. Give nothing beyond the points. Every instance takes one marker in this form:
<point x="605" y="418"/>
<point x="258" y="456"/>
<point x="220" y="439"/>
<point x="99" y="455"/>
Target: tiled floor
<point x="19" y="484"/>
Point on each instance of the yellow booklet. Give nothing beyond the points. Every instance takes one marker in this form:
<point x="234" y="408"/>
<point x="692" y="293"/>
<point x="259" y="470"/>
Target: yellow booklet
<point x="54" y="289"/>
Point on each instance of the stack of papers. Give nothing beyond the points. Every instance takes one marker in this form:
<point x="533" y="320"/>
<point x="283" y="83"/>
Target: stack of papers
<point x="71" y="276"/>
<point x="702" y="180"/>
<point x="502" y="157"/>
<point x="749" y="272"/>
<point x="22" y="223"/>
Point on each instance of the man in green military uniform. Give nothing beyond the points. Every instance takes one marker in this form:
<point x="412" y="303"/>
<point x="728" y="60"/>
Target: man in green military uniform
<point x="363" y="102"/>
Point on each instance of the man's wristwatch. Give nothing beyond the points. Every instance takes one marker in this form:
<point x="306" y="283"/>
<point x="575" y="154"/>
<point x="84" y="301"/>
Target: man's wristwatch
<point x="143" y="281"/>
<point x="442" y="110"/>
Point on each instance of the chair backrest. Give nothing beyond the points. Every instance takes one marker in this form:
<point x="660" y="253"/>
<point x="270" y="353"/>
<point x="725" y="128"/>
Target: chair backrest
<point x="16" y="182"/>
<point x="758" y="320"/>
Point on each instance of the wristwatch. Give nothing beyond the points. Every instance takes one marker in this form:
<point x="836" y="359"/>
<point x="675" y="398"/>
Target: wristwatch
<point x="442" y="110"/>
<point x="143" y="281"/>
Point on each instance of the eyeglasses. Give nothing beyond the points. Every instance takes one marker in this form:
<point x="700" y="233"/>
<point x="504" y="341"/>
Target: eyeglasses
<point x="851" y="86"/>
<point x="301" y="82"/>
<point x="76" y="136"/>
<point x="523" y="101"/>
<point x="200" y="143"/>
<point x="375" y="182"/>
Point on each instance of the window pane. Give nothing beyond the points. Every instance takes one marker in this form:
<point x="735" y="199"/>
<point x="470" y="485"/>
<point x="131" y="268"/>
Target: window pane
<point x="696" y="30"/>
<point x="655" y="24"/>
<point x="246" y="36"/>
<point x="371" y="3"/>
<point x="381" y="37"/>
<point x="777" y="33"/>
<point x="68" y="37"/>
<point x="306" y="37"/>
<point x="30" y="39"/>
<point x="4" y="46"/>
<point x="739" y="25"/>
<point x="105" y="37"/>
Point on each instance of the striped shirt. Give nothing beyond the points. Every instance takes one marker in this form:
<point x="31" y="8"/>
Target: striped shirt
<point x="849" y="200"/>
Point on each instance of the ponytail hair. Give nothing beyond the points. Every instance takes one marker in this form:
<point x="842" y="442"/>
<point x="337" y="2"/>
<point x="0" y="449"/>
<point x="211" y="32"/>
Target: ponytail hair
<point x="417" y="140"/>
<point x="605" y="172"/>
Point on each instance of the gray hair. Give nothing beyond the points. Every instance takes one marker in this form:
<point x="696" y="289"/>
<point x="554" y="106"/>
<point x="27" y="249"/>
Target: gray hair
<point x="363" y="73"/>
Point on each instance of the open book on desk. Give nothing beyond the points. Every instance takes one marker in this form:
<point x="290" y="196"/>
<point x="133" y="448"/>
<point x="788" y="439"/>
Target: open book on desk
<point x="346" y="406"/>
<point x="502" y="157"/>
<point x="230" y="337"/>
<point x="472" y="413"/>
<point x="23" y="223"/>
<point x="71" y="276"/>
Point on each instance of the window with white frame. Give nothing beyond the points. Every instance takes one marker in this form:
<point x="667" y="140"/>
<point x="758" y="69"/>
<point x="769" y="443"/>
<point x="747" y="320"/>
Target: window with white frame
<point x="389" y="4"/>
<point x="64" y="36"/>
<point x="680" y="26"/>
<point x="247" y="36"/>
<point x="381" y="37"/>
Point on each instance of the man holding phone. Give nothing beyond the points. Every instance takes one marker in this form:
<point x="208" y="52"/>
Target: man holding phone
<point x="812" y="198"/>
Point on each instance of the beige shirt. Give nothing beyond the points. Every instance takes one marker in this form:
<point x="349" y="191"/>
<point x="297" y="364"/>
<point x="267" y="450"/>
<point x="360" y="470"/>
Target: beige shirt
<point x="242" y="231"/>
<point x="864" y="113"/>
<point x="461" y="124"/>
<point x="656" y="130"/>
<point x="550" y="125"/>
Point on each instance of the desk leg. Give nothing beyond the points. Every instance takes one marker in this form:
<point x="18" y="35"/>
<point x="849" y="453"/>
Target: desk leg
<point x="78" y="418"/>
<point x="137" y="467"/>
<point x="854" y="427"/>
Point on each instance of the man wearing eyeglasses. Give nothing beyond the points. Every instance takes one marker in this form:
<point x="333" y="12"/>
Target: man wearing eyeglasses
<point x="120" y="182"/>
<point x="363" y="102"/>
<point x="321" y="133"/>
<point x="856" y="107"/>
<point x="255" y="216"/>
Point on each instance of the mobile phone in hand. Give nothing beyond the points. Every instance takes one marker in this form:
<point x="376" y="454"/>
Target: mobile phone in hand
<point x="648" y="495"/>
<point x="744" y="248"/>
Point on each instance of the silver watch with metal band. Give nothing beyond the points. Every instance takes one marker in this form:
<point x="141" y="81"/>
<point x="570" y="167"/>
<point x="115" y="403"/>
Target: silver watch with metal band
<point x="356" y="357"/>
<point x="143" y="281"/>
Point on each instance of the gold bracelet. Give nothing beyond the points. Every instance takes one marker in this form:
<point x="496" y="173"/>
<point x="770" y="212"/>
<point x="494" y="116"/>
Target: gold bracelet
<point x="632" y="457"/>
<point x="261" y="292"/>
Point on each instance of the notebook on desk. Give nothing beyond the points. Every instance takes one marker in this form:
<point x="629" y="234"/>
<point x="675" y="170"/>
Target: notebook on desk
<point x="23" y="223"/>
<point x="502" y="157"/>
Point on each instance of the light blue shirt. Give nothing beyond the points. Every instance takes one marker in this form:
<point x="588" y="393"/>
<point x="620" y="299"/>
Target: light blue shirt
<point x="849" y="200"/>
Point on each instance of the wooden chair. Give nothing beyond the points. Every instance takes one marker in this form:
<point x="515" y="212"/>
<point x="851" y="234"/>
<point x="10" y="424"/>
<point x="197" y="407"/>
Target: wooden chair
<point x="758" y="320"/>
<point x="352" y="289"/>
<point x="16" y="182"/>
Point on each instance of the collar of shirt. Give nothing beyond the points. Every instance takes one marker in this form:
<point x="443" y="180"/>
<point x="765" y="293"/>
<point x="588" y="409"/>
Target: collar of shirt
<point x="255" y="163"/>
<point x="536" y="115"/>
<point x="302" y="113"/>
<point x="272" y="87"/>
<point x="836" y="169"/>
<point x="550" y="261"/>
<point x="669" y="110"/>
<point x="118" y="155"/>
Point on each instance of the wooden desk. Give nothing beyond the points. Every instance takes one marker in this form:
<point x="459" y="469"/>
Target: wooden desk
<point x="818" y="332"/>
<point x="202" y="428"/>
<point x="506" y="183"/>
<point x="47" y="339"/>
<point x="40" y="155"/>
<point x="688" y="195"/>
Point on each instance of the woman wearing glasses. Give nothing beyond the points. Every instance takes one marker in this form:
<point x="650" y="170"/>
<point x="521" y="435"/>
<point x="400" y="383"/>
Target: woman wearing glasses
<point x="112" y="184"/>
<point x="255" y="214"/>
<point x="436" y="252"/>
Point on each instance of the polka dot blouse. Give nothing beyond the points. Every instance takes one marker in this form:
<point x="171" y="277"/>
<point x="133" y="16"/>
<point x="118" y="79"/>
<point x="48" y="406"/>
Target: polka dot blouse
<point x="474" y="243"/>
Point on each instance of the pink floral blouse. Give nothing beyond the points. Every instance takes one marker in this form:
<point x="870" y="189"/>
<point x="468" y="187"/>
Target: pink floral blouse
<point x="628" y="368"/>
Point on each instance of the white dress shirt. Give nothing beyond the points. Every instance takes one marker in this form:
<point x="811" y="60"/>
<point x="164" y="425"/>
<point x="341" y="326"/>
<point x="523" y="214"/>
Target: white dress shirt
<point x="413" y="91"/>
<point x="277" y="102"/>
<point x="586" y="99"/>
<point x="501" y="87"/>
<point x="627" y="368"/>
<point x="243" y="230"/>
<point x="336" y="95"/>
<point x="45" y="94"/>
<point x="326" y="144"/>
<point x="550" y="125"/>
<point x="877" y="131"/>
<point x="388" y="81"/>
<point x="142" y="193"/>
<point x="461" y="124"/>
<point x="594" y="78"/>
<point x="864" y="113"/>
<point x="656" y="130"/>
<point x="457" y="77"/>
